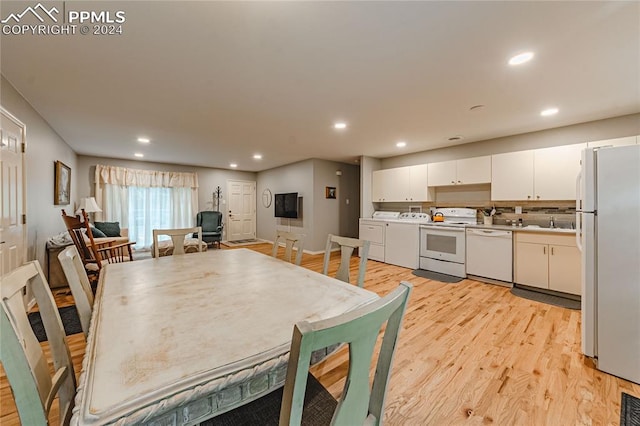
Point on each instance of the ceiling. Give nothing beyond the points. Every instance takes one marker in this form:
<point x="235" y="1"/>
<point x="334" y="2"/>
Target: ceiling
<point x="211" y="83"/>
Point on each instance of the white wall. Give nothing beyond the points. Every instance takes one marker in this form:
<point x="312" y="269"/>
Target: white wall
<point x="208" y="178"/>
<point x="44" y="147"/>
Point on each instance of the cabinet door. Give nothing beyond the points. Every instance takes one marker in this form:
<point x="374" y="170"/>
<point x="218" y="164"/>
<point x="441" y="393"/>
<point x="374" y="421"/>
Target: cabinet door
<point x="556" y="170"/>
<point x="419" y="189"/>
<point x="377" y="183"/>
<point x="532" y="264"/>
<point x="512" y="176"/>
<point x="474" y="170"/>
<point x="442" y="173"/>
<point x="397" y="184"/>
<point x="565" y="269"/>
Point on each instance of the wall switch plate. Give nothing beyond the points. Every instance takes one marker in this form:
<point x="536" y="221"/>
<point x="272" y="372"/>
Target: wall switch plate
<point x="518" y="209"/>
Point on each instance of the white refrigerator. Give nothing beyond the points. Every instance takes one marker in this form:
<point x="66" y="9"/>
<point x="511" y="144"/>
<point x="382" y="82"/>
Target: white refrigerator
<point x="608" y="218"/>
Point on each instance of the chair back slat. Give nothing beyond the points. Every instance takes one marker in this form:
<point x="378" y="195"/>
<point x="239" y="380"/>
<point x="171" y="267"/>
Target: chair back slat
<point x="347" y="246"/>
<point x="291" y="241"/>
<point x="22" y="355"/>
<point x="79" y="283"/>
<point x="359" y="403"/>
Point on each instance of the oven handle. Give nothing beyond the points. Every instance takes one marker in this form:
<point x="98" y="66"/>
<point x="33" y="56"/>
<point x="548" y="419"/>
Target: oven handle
<point x="441" y="228"/>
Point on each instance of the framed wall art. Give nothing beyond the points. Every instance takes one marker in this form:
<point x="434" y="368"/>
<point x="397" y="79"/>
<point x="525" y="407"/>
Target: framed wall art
<point x="330" y="192"/>
<point x="62" y="186"/>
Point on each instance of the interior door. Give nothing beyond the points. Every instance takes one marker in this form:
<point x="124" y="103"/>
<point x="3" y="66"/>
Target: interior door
<point x="241" y="217"/>
<point x="13" y="232"/>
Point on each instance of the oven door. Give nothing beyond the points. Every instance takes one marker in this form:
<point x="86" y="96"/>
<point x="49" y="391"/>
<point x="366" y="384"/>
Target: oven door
<point x="442" y="243"/>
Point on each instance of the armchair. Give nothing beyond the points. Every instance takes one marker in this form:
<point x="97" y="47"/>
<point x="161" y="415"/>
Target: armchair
<point x="211" y="223"/>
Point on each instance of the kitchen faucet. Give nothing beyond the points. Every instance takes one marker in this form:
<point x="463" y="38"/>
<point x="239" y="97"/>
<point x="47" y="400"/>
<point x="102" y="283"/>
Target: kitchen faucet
<point x="552" y="224"/>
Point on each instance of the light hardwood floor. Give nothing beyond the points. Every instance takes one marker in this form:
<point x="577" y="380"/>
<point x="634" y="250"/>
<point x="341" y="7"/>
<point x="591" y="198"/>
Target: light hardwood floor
<point x="469" y="353"/>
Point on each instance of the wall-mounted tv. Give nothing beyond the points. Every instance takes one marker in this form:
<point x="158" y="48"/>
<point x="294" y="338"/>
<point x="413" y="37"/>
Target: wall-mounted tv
<point x="287" y="205"/>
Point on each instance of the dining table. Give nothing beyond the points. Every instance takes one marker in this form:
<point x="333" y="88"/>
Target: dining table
<point x="180" y="339"/>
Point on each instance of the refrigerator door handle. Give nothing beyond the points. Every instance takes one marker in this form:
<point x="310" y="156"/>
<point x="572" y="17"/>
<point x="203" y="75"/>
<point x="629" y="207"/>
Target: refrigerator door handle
<point x="578" y="212"/>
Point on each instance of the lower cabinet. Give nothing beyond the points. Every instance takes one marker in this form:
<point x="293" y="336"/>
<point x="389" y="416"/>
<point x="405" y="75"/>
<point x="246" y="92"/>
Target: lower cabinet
<point x="373" y="231"/>
<point x="547" y="260"/>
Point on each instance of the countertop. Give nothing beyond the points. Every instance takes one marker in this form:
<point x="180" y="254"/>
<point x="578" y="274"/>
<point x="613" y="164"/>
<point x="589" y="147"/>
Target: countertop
<point x="524" y="228"/>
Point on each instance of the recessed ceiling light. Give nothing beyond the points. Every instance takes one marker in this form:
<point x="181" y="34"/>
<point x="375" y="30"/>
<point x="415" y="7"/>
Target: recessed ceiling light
<point x="340" y="125"/>
<point x="521" y="58"/>
<point x="233" y="165"/>
<point x="144" y="140"/>
<point x="138" y="154"/>
<point x="549" y="111"/>
<point x="257" y="156"/>
<point x="401" y="144"/>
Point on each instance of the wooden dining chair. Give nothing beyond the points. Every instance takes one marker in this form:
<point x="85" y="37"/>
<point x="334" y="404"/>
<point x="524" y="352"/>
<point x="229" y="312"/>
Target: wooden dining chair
<point x="360" y="403"/>
<point x="347" y="246"/>
<point x="94" y="255"/>
<point x="23" y="359"/>
<point x="290" y="241"/>
<point x="79" y="283"/>
<point x="180" y="244"/>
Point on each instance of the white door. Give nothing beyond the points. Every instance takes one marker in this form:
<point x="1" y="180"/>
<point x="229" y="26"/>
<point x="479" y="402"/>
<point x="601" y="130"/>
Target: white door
<point x="13" y="232"/>
<point x="241" y="217"/>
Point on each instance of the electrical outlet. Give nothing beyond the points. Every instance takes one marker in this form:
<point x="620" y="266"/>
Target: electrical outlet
<point x="518" y="209"/>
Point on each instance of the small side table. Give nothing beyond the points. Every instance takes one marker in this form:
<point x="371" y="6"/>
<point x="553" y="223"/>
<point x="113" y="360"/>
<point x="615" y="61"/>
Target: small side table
<point x="55" y="274"/>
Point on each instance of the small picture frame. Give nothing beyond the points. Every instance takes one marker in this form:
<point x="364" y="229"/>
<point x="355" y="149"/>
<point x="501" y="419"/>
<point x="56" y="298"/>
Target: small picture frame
<point x="62" y="186"/>
<point x="330" y="192"/>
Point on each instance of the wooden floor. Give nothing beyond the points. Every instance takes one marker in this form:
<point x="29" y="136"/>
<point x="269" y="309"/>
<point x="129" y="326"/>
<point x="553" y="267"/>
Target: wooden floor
<point x="469" y="353"/>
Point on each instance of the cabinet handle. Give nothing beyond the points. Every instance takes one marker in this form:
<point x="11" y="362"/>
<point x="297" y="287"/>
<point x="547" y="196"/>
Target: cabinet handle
<point x="538" y="197"/>
<point x="453" y="181"/>
<point x="459" y="181"/>
<point x="528" y="197"/>
<point x="544" y="249"/>
<point x="551" y="251"/>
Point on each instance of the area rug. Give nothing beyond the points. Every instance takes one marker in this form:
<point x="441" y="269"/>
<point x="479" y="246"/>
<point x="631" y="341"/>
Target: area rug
<point x="437" y="276"/>
<point x="70" y="321"/>
<point x="629" y="410"/>
<point x="550" y="299"/>
<point x="319" y="406"/>
<point x="241" y="242"/>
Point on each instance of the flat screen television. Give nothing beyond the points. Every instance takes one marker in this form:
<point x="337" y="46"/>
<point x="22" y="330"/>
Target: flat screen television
<point x="287" y="205"/>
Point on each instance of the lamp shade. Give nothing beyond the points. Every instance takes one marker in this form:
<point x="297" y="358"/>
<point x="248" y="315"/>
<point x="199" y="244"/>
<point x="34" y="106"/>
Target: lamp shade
<point x="89" y="205"/>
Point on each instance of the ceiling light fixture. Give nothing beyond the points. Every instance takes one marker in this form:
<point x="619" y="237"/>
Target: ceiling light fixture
<point x="521" y="58"/>
<point x="144" y="140"/>
<point x="549" y="111"/>
<point x="233" y="165"/>
<point x="257" y="156"/>
<point x="138" y="154"/>
<point x="401" y="144"/>
<point x="340" y="125"/>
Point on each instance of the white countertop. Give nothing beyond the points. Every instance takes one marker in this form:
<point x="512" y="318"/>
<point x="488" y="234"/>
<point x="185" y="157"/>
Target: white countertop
<point x="524" y="228"/>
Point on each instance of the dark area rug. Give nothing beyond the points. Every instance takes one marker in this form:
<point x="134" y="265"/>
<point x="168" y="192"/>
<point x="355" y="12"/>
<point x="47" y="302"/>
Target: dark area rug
<point x="70" y="321"/>
<point x="550" y="299"/>
<point x="319" y="406"/>
<point x="629" y="410"/>
<point x="437" y="276"/>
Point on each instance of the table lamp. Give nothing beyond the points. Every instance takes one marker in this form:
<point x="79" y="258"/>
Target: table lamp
<point x="89" y="205"/>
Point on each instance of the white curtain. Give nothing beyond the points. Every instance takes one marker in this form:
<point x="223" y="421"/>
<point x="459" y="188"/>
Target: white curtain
<point x="143" y="200"/>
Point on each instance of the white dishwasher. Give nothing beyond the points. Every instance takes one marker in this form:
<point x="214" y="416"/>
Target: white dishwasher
<point x="490" y="254"/>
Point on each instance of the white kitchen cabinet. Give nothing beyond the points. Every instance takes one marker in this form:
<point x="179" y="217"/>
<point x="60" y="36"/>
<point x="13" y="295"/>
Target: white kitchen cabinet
<point x="549" y="261"/>
<point x="467" y="171"/>
<point x="401" y="184"/>
<point x="512" y="176"/>
<point x="555" y="172"/>
<point x="629" y="140"/>
<point x="541" y="174"/>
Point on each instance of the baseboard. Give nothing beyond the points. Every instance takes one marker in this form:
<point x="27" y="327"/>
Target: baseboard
<point x="490" y="281"/>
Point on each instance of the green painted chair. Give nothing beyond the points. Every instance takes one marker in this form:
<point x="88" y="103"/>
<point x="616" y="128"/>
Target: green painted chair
<point x="211" y="224"/>
<point x="359" y="403"/>
<point x="347" y="246"/>
<point x="291" y="241"/>
<point x="79" y="284"/>
<point x="23" y="359"/>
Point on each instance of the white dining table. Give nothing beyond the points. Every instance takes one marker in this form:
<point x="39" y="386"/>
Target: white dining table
<point x="180" y="339"/>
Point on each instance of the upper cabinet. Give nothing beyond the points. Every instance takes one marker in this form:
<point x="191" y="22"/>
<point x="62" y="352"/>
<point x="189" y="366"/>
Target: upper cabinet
<point x="467" y="171"/>
<point x="541" y="174"/>
<point x="629" y="140"/>
<point x="400" y="184"/>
